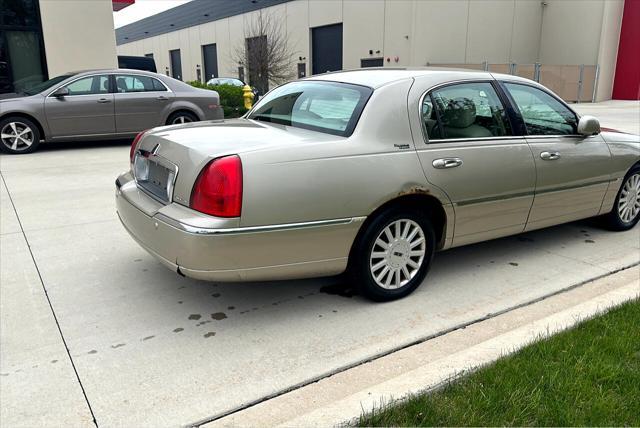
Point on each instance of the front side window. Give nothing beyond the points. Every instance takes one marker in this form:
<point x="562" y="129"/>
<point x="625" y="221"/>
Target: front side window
<point x="89" y="86"/>
<point x="329" y="107"/>
<point x="130" y="83"/>
<point x="542" y="114"/>
<point x="465" y="110"/>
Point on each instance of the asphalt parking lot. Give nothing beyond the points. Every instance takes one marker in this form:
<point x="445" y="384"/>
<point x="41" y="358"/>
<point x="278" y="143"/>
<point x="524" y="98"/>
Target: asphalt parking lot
<point x="92" y="326"/>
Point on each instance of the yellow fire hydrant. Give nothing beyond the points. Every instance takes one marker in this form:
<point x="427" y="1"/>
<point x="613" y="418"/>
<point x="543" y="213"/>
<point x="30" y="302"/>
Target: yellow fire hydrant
<point x="248" y="96"/>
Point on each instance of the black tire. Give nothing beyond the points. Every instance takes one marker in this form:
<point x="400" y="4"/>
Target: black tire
<point x="614" y="220"/>
<point x="174" y="118"/>
<point x="361" y="266"/>
<point x="28" y="131"/>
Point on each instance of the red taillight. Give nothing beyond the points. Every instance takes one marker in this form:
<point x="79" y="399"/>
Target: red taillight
<point x="218" y="189"/>
<point x="134" y="144"/>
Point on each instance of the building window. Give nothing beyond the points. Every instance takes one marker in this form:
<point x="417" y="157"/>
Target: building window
<point x="22" y="59"/>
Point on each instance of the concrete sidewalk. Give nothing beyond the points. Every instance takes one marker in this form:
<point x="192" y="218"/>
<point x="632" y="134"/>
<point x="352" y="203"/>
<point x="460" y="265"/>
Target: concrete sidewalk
<point x="343" y="397"/>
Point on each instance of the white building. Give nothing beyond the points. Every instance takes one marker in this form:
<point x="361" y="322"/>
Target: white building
<point x="196" y="40"/>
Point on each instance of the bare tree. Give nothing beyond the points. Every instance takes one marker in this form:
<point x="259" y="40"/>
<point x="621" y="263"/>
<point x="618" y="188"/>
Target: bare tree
<point x="266" y="52"/>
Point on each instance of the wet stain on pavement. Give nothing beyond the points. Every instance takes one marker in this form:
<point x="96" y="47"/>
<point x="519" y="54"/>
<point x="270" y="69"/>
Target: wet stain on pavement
<point x="119" y="345"/>
<point x="93" y="351"/>
<point x="589" y="241"/>
<point x="178" y="330"/>
<point x="219" y="316"/>
<point x="342" y="290"/>
<point x="216" y="295"/>
<point x="513" y="264"/>
<point x="147" y="338"/>
<point x="54" y="361"/>
<point x="195" y="316"/>
<point x="209" y="334"/>
<point x="137" y="260"/>
<point x="231" y="308"/>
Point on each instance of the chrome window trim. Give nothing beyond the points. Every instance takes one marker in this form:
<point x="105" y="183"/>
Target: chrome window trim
<point x="79" y="78"/>
<point x="425" y="135"/>
<point x="252" y="229"/>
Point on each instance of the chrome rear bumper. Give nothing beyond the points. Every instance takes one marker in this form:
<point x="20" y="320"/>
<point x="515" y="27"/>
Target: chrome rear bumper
<point x="213" y="249"/>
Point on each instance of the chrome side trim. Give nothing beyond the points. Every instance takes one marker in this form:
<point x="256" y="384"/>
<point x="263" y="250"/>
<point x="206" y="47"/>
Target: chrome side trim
<point x="252" y="229"/>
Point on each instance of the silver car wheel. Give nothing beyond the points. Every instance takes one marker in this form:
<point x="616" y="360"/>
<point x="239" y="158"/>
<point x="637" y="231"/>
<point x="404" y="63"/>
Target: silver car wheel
<point x="629" y="202"/>
<point x="397" y="254"/>
<point x="16" y="136"/>
<point x="181" y="119"/>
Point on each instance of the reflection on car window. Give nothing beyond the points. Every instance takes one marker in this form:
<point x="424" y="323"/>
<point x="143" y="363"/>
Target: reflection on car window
<point x="466" y="110"/>
<point x="542" y="113"/>
<point x="46" y="84"/>
<point x="89" y="86"/>
<point x="137" y="83"/>
<point x="327" y="107"/>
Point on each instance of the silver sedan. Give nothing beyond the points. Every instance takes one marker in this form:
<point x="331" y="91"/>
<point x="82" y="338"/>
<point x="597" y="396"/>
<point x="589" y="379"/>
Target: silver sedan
<point x="370" y="172"/>
<point x="99" y="104"/>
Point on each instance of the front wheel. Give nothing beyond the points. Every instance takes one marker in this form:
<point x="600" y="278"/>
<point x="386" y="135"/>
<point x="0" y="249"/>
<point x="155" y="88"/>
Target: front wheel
<point x="626" y="209"/>
<point x="393" y="254"/>
<point x="18" y="135"/>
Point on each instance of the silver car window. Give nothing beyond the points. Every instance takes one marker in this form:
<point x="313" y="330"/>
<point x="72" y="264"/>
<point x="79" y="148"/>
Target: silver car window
<point x="89" y="86"/>
<point x="137" y="83"/>
<point x="329" y="107"/>
<point x="465" y="110"/>
<point x="542" y="114"/>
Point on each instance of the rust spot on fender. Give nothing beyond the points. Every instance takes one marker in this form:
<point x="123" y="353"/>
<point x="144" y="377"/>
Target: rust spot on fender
<point x="415" y="190"/>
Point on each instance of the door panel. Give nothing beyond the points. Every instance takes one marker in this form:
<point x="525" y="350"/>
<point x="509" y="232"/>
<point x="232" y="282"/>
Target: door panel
<point x="176" y="64"/>
<point x="326" y="48"/>
<point x="491" y="191"/>
<point x="87" y="110"/>
<point x="571" y="186"/>
<point x="138" y="103"/>
<point x="210" y="61"/>
<point x="572" y="170"/>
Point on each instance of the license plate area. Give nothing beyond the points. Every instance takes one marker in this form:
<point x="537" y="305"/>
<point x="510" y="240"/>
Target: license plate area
<point x="155" y="175"/>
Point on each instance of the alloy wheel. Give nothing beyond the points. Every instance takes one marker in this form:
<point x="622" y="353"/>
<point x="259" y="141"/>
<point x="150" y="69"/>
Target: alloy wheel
<point x="17" y="136"/>
<point x="629" y="201"/>
<point x="181" y="119"/>
<point x="397" y="254"/>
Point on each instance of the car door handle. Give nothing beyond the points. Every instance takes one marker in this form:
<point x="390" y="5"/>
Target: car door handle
<point x="104" y="100"/>
<point x="162" y="98"/>
<point x="550" y="155"/>
<point x="447" y="163"/>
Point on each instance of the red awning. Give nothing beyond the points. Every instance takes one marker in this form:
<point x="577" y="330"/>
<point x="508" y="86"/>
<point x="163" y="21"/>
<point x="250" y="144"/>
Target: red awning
<point x="121" y="4"/>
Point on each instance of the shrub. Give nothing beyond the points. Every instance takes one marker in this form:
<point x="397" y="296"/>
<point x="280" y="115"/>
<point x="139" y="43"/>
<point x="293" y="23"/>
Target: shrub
<point x="230" y="97"/>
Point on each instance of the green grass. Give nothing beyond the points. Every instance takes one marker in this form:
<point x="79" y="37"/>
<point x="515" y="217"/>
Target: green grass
<point x="589" y="375"/>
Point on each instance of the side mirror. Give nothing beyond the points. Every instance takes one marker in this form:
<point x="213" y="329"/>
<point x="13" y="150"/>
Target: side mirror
<point x="60" y="92"/>
<point x="588" y="125"/>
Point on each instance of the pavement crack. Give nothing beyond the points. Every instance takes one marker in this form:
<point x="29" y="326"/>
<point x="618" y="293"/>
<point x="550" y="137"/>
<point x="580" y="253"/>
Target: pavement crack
<point x="46" y="294"/>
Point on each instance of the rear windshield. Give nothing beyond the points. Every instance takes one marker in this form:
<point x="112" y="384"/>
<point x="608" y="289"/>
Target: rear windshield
<point x="329" y="107"/>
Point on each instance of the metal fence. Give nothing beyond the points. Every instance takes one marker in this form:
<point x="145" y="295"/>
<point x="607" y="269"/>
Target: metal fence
<point x="574" y="83"/>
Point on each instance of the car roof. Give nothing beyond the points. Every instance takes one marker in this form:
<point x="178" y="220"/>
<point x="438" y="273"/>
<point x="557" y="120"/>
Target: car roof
<point x="377" y="77"/>
<point x="113" y="70"/>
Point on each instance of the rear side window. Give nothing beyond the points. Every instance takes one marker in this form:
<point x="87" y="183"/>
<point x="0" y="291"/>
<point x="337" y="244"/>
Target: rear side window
<point x="130" y="83"/>
<point x="329" y="107"/>
<point x="542" y="113"/>
<point x="465" y="110"/>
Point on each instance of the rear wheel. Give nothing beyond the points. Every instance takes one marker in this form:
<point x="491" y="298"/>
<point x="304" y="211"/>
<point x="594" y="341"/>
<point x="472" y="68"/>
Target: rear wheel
<point x="18" y="135"/>
<point x="626" y="209"/>
<point x="181" y="117"/>
<point x="393" y="254"/>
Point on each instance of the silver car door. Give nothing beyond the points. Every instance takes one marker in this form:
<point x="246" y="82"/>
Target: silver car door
<point x="86" y="110"/>
<point x="467" y="148"/>
<point x="141" y="102"/>
<point x="573" y="171"/>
